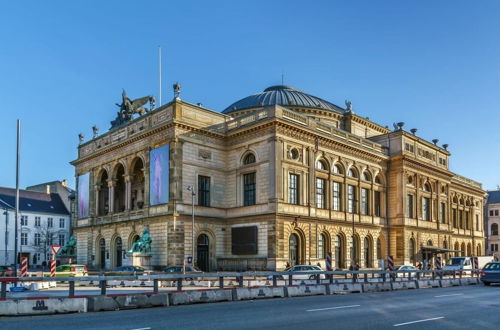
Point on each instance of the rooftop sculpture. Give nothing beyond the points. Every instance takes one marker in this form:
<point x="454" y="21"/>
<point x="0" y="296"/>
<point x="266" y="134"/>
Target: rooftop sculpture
<point x="130" y="107"/>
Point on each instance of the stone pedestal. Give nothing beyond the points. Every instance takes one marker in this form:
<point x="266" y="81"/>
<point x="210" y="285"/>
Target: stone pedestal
<point x="140" y="259"/>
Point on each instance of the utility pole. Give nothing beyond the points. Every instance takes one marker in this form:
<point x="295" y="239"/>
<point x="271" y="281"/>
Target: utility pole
<point x="16" y="220"/>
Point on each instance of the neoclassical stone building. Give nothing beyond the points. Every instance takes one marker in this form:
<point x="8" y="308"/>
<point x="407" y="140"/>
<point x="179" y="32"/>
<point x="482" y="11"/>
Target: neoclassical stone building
<point x="279" y="178"/>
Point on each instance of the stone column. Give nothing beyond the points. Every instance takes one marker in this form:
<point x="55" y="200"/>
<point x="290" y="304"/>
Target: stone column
<point x="111" y="195"/>
<point x="97" y="189"/>
<point x="128" y="192"/>
<point x="146" y="184"/>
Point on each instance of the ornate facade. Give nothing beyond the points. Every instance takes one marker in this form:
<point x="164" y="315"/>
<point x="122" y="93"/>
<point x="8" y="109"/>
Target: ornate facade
<point x="280" y="178"/>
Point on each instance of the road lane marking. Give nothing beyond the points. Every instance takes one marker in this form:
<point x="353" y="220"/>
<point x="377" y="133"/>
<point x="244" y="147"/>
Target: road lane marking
<point x="449" y="295"/>
<point x="418" y="321"/>
<point x="329" y="308"/>
<point x="142" y="329"/>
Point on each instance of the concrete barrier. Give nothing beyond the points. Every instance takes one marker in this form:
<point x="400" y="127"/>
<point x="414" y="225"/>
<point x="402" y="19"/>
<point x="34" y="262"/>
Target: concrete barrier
<point x="450" y="282"/>
<point x="102" y="303"/>
<point x="43" y="306"/>
<point x="258" y="293"/>
<point x="199" y="296"/>
<point x="424" y="284"/>
<point x="141" y="300"/>
<point x="344" y="288"/>
<point x="305" y="290"/>
<point x="404" y="285"/>
<point x="469" y="281"/>
<point x="376" y="287"/>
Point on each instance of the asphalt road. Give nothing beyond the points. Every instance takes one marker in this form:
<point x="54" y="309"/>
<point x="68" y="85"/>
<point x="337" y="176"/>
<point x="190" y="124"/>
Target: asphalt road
<point x="470" y="307"/>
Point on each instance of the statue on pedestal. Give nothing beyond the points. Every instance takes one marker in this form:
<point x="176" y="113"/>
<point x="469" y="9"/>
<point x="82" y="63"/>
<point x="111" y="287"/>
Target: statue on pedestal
<point x="143" y="245"/>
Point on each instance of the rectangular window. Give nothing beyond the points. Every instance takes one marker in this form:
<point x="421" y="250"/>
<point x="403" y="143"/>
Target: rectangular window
<point x="378" y="211"/>
<point x="37" y="239"/>
<point x="426" y="208"/>
<point x="293" y="188"/>
<point x="337" y="196"/>
<point x="409" y="206"/>
<point x="461" y="219"/>
<point x="496" y="213"/>
<point x="38" y="221"/>
<point x="364" y="201"/>
<point x="24" y="238"/>
<point x="61" y="239"/>
<point x="443" y="213"/>
<point x="61" y="223"/>
<point x="203" y="190"/>
<point x="467" y="225"/>
<point x="491" y="213"/>
<point x="320" y="193"/>
<point x="477" y="222"/>
<point x="50" y="222"/>
<point x="249" y="189"/>
<point x="351" y="199"/>
<point x="24" y="220"/>
<point x="454" y="216"/>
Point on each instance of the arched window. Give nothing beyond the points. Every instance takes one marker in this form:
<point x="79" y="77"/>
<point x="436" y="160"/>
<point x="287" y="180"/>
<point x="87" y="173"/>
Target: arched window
<point x="294" y="249"/>
<point x="429" y="243"/>
<point x="494" y="229"/>
<point x="368" y="252"/>
<point x="352" y="173"/>
<point x="321" y="165"/>
<point x="457" y="249"/>
<point x="103" y="194"/>
<point x="337" y="169"/>
<point x="427" y="187"/>
<point x="249" y="159"/>
<point x="339" y="252"/>
<point x="379" y="249"/>
<point x="378" y="180"/>
<point x="411" y="249"/>
<point x="367" y="176"/>
<point x="322" y="246"/>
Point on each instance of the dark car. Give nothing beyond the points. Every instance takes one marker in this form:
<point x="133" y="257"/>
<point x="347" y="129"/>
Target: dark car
<point x="6" y="270"/>
<point x="182" y="270"/>
<point x="490" y="273"/>
<point x="127" y="271"/>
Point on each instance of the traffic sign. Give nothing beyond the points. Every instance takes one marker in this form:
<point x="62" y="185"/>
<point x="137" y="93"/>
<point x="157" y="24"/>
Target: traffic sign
<point x="55" y="249"/>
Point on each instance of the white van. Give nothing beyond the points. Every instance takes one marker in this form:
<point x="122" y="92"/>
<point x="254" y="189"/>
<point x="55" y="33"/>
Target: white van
<point x="465" y="263"/>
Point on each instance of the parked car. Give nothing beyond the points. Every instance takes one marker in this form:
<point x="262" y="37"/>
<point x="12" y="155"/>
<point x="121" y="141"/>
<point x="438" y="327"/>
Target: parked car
<point x="182" y="270"/>
<point x="405" y="269"/>
<point x="127" y="271"/>
<point x="301" y="269"/>
<point x="6" y="270"/>
<point x="456" y="264"/>
<point x="71" y="270"/>
<point x="490" y="273"/>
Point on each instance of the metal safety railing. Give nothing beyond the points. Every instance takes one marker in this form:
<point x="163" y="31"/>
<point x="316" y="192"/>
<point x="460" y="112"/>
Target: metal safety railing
<point x="271" y="278"/>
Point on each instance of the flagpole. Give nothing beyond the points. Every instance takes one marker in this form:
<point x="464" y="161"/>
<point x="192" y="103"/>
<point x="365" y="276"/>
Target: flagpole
<point x="159" y="73"/>
<point x="16" y="220"/>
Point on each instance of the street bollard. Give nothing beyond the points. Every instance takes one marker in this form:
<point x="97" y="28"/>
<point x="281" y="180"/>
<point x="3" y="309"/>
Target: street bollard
<point x="102" y="284"/>
<point x="366" y="278"/>
<point x="433" y="275"/>
<point x="318" y="279"/>
<point x="221" y="282"/>
<point x="240" y="281"/>
<point x="290" y="280"/>
<point x="179" y="284"/>
<point x="331" y="278"/>
<point x="71" y="288"/>
<point x="275" y="280"/>
<point x="4" y="290"/>
<point x="384" y="277"/>
<point x="155" y="285"/>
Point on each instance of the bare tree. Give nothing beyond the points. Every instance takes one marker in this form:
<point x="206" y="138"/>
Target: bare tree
<point x="43" y="238"/>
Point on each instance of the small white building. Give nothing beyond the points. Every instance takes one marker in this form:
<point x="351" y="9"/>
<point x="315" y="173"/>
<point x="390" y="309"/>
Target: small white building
<point x="43" y="221"/>
<point x="493" y="223"/>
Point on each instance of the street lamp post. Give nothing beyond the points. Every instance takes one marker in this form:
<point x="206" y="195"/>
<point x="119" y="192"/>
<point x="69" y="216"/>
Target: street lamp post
<point x="191" y="189"/>
<point x="353" y="233"/>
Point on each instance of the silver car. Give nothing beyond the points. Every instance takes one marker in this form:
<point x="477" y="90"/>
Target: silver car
<point x="304" y="268"/>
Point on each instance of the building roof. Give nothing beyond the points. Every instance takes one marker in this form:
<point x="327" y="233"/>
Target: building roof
<point x="282" y="95"/>
<point x="32" y="201"/>
<point x="493" y="196"/>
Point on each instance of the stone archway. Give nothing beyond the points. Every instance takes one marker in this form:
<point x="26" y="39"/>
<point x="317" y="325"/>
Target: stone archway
<point x="101" y="253"/>
<point x="117" y="252"/>
<point x="203" y="252"/>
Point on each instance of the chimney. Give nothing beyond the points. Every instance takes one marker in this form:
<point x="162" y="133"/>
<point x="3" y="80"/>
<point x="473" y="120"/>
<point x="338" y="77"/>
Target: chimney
<point x="47" y="189"/>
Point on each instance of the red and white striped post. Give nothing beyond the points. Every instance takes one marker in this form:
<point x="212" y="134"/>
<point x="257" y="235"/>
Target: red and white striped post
<point x="328" y="261"/>
<point x="52" y="268"/>
<point x="390" y="263"/>
<point x="437" y="263"/>
<point x="24" y="266"/>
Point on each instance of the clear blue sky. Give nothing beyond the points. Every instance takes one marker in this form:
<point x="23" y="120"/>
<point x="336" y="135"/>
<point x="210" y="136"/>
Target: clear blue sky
<point x="432" y="64"/>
